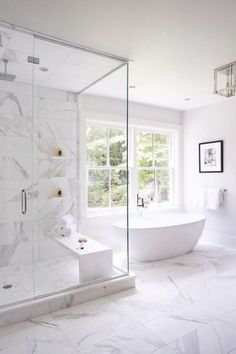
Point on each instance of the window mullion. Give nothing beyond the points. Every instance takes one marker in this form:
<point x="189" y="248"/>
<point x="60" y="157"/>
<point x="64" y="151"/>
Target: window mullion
<point x="108" y="148"/>
<point x="153" y="162"/>
<point x="108" y="166"/>
<point x="109" y="176"/>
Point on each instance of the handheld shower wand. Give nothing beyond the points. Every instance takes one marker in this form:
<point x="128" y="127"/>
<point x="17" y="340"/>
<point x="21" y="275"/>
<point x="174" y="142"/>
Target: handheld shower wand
<point x="5" y="76"/>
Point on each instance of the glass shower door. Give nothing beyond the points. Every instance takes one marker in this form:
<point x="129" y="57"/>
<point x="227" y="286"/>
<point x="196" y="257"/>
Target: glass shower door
<point x="17" y="189"/>
<point x="56" y="266"/>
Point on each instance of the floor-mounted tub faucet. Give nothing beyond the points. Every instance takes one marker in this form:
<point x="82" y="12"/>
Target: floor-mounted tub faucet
<point x="140" y="204"/>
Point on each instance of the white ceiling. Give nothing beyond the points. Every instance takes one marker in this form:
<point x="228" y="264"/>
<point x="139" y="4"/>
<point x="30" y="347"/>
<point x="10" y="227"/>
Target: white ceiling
<point x="176" y="44"/>
<point x="61" y="67"/>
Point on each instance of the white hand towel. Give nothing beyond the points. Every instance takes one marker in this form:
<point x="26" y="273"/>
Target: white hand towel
<point x="200" y="197"/>
<point x="214" y="198"/>
<point x="65" y="221"/>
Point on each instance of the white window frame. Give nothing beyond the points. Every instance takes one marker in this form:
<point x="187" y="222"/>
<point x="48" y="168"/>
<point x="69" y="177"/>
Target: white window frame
<point x="134" y="126"/>
<point x="171" y="167"/>
<point x="107" y="167"/>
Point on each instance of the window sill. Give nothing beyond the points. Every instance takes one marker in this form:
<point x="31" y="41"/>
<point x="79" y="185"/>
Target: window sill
<point x="106" y="212"/>
<point x="91" y="213"/>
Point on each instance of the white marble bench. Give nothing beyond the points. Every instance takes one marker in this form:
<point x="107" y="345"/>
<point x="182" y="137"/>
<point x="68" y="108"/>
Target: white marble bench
<point x="95" y="260"/>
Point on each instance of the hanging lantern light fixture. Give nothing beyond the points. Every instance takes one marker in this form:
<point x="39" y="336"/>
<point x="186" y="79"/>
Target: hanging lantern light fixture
<point x="225" y="80"/>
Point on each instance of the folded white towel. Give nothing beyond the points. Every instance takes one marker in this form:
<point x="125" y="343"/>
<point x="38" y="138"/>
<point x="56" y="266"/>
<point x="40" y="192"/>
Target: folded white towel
<point x="65" y="221"/>
<point x="200" y="197"/>
<point x="214" y="198"/>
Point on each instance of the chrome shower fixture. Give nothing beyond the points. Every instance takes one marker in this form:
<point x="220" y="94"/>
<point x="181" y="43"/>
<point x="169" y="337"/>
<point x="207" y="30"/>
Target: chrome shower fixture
<point x="225" y="80"/>
<point x="5" y="76"/>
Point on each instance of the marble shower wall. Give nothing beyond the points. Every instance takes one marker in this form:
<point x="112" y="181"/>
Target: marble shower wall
<point x="31" y="131"/>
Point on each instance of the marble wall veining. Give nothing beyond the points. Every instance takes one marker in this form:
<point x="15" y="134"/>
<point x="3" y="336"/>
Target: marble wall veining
<point x="34" y="123"/>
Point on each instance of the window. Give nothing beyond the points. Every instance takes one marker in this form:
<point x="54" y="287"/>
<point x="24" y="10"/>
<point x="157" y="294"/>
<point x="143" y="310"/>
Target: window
<point x="152" y="170"/>
<point x="106" y="158"/>
<point x="153" y="166"/>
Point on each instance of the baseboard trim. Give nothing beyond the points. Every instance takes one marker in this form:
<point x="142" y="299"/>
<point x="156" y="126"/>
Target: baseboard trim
<point x="218" y="239"/>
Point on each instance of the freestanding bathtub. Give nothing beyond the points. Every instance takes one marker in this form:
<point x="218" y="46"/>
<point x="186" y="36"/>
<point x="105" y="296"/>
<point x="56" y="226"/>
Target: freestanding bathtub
<point x="159" y="236"/>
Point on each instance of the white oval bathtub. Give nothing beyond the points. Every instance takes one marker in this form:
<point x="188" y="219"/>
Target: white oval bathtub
<point x="161" y="236"/>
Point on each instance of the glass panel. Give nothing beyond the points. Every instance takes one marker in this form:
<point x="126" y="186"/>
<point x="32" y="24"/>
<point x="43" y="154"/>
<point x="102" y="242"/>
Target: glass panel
<point x="118" y="188"/>
<point x="146" y="186"/>
<point x="65" y="146"/>
<point x="16" y="169"/>
<point x="103" y="189"/>
<point x="55" y="158"/>
<point x="162" y="149"/>
<point x="163" y="186"/>
<point x="144" y="149"/>
<point x="117" y="147"/>
<point x="98" y="189"/>
<point x="96" y="146"/>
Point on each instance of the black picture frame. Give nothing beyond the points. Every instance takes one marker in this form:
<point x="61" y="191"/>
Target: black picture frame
<point x="211" y="156"/>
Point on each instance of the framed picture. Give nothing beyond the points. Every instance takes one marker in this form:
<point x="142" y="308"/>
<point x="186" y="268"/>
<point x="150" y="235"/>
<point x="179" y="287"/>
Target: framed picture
<point x="211" y="157"/>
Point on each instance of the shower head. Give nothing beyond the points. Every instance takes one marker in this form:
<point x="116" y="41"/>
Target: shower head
<point x="5" y="76"/>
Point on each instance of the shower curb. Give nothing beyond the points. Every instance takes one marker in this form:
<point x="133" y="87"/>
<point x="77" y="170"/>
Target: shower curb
<point x="45" y="305"/>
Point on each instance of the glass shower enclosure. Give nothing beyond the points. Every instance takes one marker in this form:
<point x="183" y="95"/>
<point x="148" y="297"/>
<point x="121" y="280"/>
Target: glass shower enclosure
<point x="63" y="165"/>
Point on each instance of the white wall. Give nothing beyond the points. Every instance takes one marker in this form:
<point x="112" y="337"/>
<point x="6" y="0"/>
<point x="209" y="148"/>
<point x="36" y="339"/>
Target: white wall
<point x="136" y="110"/>
<point x="213" y="122"/>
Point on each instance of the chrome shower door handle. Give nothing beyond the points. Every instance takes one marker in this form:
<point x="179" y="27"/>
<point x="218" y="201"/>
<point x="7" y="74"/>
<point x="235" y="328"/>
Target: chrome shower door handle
<point x="23" y="201"/>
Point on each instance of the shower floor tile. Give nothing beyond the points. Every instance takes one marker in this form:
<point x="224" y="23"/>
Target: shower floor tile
<point x="47" y="276"/>
<point x="44" y="277"/>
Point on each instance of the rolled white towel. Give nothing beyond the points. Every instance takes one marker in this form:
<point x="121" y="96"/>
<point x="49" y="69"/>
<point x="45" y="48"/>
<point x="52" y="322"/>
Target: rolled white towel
<point x="65" y="221"/>
<point x="65" y="231"/>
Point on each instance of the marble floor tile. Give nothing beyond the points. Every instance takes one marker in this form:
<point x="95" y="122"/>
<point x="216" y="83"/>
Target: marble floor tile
<point x="42" y="345"/>
<point x="170" y="328"/>
<point x="51" y="345"/>
<point x="183" y="305"/>
<point x="208" y="309"/>
<point x="209" y="286"/>
<point x="217" y="338"/>
<point x="82" y="313"/>
<point x="136" y="341"/>
<point x="152" y="299"/>
<point x="19" y="349"/>
<point x="143" y="307"/>
<point x="23" y="331"/>
<point x="107" y="324"/>
<point x="166" y="350"/>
